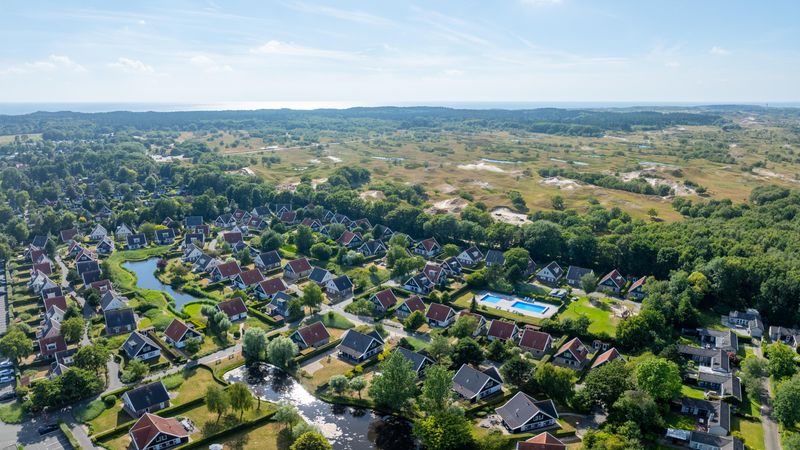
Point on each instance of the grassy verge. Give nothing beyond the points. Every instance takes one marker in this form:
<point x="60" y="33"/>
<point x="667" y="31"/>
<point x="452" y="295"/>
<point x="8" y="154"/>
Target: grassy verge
<point x="751" y="432"/>
<point x="89" y="411"/>
<point x="13" y="413"/>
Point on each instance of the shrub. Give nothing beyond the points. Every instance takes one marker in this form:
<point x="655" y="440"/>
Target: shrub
<point x="110" y="401"/>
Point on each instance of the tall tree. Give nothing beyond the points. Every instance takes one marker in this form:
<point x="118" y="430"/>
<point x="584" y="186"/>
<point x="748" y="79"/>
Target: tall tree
<point x="436" y="389"/>
<point x="558" y="383"/>
<point x="311" y="440"/>
<point x="312" y="296"/>
<point x="658" y="377"/>
<point x="786" y="406"/>
<point x="605" y="384"/>
<point x="240" y="398"/>
<point x="780" y="361"/>
<point x="281" y="351"/>
<point x="303" y="239"/>
<point x="254" y="345"/>
<point x="446" y="430"/>
<point x="396" y="383"/>
<point x="92" y="357"/>
<point x="217" y="400"/>
<point x="15" y="344"/>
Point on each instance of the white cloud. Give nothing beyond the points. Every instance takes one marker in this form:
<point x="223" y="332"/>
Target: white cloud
<point x="132" y="66"/>
<point x="52" y="63"/>
<point x="209" y="64"/>
<point x="142" y="22"/>
<point x="279" y="48"/>
<point x="342" y="14"/>
<point x="719" y="51"/>
<point x="541" y="2"/>
<point x="453" y="73"/>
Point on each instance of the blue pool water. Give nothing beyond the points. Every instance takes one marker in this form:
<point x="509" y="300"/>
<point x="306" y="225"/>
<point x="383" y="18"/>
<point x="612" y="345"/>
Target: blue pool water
<point x="538" y="309"/>
<point x="489" y="298"/>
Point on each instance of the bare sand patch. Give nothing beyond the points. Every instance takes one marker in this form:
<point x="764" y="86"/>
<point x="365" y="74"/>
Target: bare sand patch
<point x="317" y="181"/>
<point x="445" y="188"/>
<point x="314" y="161"/>
<point x="770" y="174"/>
<point x="372" y="195"/>
<point x="504" y="214"/>
<point x="334" y="159"/>
<point x="290" y="186"/>
<point x="450" y="206"/>
<point x="479" y="183"/>
<point x="481" y="165"/>
<point x="561" y="183"/>
<point x="679" y="188"/>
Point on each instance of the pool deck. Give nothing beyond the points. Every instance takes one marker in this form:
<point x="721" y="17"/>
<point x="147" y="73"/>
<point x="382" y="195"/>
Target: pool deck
<point x="507" y="300"/>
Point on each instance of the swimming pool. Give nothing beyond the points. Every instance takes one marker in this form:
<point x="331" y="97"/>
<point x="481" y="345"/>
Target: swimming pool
<point x="489" y="298"/>
<point x="532" y="307"/>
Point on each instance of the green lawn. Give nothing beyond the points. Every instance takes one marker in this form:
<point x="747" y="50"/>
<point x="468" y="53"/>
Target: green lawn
<point x="417" y="343"/>
<point x="692" y="392"/>
<point x="600" y="314"/>
<point x="12" y="413"/>
<point x="752" y="432"/>
<point x="680" y="421"/>
<point x="89" y="411"/>
<point x="334" y="320"/>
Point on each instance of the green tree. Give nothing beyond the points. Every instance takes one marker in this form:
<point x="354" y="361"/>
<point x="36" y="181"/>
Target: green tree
<point x="304" y="239"/>
<point x="396" y="383"/>
<point x="605" y="384"/>
<point x="312" y="296"/>
<point x="516" y="263"/>
<point x="464" y="326"/>
<point x="286" y="414"/>
<point x="589" y="282"/>
<point x="780" y="361"/>
<point x="659" y="377"/>
<point x="270" y="240"/>
<point x="217" y="400"/>
<point x="72" y="329"/>
<point x="439" y="346"/>
<point x="638" y="407"/>
<point x="358" y="384"/>
<point x="786" y="405"/>
<point x="240" y="398"/>
<point x="467" y="351"/>
<point x="311" y="440"/>
<point x="518" y="371"/>
<point x="339" y="384"/>
<point x="321" y="251"/>
<point x="753" y="371"/>
<point x="445" y="430"/>
<point x="437" y="390"/>
<point x="281" y="351"/>
<point x="558" y="202"/>
<point x="15" y="344"/>
<point x="92" y="357"/>
<point x="254" y="344"/>
<point x="134" y="371"/>
<point x="414" y="320"/>
<point x="557" y="383"/>
<point x="450" y="250"/>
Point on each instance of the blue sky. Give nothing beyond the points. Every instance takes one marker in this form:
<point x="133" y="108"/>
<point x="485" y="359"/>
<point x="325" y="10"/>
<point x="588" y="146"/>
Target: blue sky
<point x="370" y="53"/>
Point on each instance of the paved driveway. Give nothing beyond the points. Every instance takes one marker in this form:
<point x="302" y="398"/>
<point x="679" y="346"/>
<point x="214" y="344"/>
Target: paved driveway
<point x="26" y="435"/>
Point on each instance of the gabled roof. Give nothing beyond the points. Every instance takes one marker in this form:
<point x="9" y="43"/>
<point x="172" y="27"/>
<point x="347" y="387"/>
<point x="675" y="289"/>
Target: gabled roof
<point x="429" y="244"/>
<point x="386" y="298"/>
<point x="232" y="237"/>
<point x="251" y="277"/>
<point x="166" y="233"/>
<point x="372" y="246"/>
<point x="501" y="329"/>
<point x="314" y="332"/>
<point x="356" y="344"/>
<point x="176" y="330"/>
<point x="68" y="234"/>
<point x="342" y="283"/>
<point x="288" y="216"/>
<point x="417" y="359"/>
<point x="232" y="307"/>
<point x="637" y="284"/>
<point x="576" y="347"/>
<point x="615" y="277"/>
<point x="58" y="340"/>
<point x="472" y="253"/>
<point x="414" y="303"/>
<point x="554" y="269"/>
<point x="542" y="441"/>
<point x="575" y="273"/>
<point x="495" y="257"/>
<point x="272" y="286"/>
<point x="87" y="266"/>
<point x="469" y="381"/>
<point x="319" y="275"/>
<point x="136" y="239"/>
<point x="299" y="265"/>
<point x="521" y="408"/>
<point x="270" y="258"/>
<point x="119" y="318"/>
<point x="347" y="237"/>
<point x="193" y="221"/>
<point x="135" y="342"/>
<point x="148" y="395"/>
<point x="433" y="271"/>
<point x="534" y="339"/>
<point x="607" y="356"/>
<point x="439" y="312"/>
<point x="228" y="269"/>
<point x="58" y="301"/>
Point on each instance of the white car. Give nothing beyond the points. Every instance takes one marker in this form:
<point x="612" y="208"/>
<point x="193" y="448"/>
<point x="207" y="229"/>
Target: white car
<point x="5" y="372"/>
<point x="6" y="379"/>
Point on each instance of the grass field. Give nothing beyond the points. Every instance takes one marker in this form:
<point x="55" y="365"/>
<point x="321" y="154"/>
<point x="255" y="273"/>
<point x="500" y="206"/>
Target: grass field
<point x="603" y="320"/>
<point x="692" y="392"/>
<point x="12" y="413"/>
<point x="331" y="320"/>
<point x="752" y="432"/>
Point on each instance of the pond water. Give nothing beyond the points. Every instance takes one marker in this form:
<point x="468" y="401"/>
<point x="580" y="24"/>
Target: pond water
<point x="146" y="279"/>
<point x="347" y="428"/>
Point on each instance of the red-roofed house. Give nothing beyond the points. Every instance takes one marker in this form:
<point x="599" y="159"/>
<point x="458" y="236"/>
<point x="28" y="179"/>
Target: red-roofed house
<point x="297" y="268"/>
<point x="500" y="329"/>
<point x="289" y="217"/>
<point x="427" y="248"/>
<point x="613" y="281"/>
<point x="268" y="288"/>
<point x="440" y="315"/>
<point x="636" y="291"/>
<point x="383" y="300"/>
<point x="50" y="345"/>
<point x="225" y="271"/>
<point x="103" y="286"/>
<point x="43" y="267"/>
<point x="59" y="301"/>
<point x="178" y="333"/>
<point x="609" y="355"/>
<point x="350" y="239"/>
<point x="536" y="342"/>
<point x="248" y="278"/>
<point x="573" y="354"/>
<point x="542" y="441"/>
<point x="234" y="308"/>
<point x="232" y="238"/>
<point x="68" y="234"/>
<point x="411" y="304"/>
<point x="313" y="335"/>
<point x="435" y="273"/>
<point x="152" y="432"/>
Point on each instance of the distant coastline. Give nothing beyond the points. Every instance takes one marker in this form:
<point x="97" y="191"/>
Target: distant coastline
<point x="16" y="108"/>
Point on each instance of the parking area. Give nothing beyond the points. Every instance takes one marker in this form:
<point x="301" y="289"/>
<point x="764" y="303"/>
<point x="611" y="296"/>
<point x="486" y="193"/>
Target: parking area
<point x="27" y="435"/>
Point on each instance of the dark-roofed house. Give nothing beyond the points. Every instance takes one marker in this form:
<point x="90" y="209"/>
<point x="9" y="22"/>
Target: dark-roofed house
<point x="357" y="347"/>
<point x="68" y="234"/>
<point x="707" y="441"/>
<point x="723" y="384"/>
<point x="725" y="340"/>
<point x="91" y="276"/>
<point x="339" y="288"/>
<point x="225" y="221"/>
<point x="750" y="319"/>
<point x="165" y="236"/>
<point x="268" y="260"/>
<point x="410" y="305"/>
<point x="267" y="289"/>
<point x="470" y="257"/>
<point x="320" y="276"/>
<point x="193" y="221"/>
<point x="536" y="342"/>
<point x="312" y="335"/>
<point x="234" y="308"/>
<point x="550" y="273"/>
<point x="205" y="263"/>
<point x="573" y="354"/>
<point x="503" y="330"/>
<point x="440" y="315"/>
<point x="87" y="266"/>
<point x="198" y="239"/>
<point x="178" y="333"/>
<point x="138" y="346"/>
<point x="636" y="291"/>
<point x="279" y="305"/>
<point x="372" y="247"/>
<point x="542" y="441"/>
<point x="119" y="321"/>
<point x="495" y="258"/>
<point x="419" y="362"/>
<point x="606" y="357"/>
<point x="383" y="300"/>
<point x="716" y="415"/>
<point x="105" y="246"/>
<point x="260" y="211"/>
<point x="297" y="268"/>
<point x="418" y="283"/>
<point x="148" y="398"/>
<point x="136" y="241"/>
<point x="613" y="281"/>
<point x="713" y="358"/>
<point x="524" y="413"/>
<point x="473" y="384"/>
<point x="575" y="273"/>
<point x="247" y="278"/>
<point x="152" y="432"/>
<point x="225" y="271"/>
<point x="427" y="248"/>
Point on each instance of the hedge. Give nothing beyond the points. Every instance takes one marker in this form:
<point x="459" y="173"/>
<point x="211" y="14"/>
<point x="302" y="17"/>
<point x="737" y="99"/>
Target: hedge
<point x="262" y="317"/>
<point x="318" y="351"/>
<point x="68" y="433"/>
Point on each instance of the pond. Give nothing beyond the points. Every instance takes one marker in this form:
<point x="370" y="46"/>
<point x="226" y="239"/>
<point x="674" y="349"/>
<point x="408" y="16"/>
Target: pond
<point x="346" y="427"/>
<point x="146" y="279"/>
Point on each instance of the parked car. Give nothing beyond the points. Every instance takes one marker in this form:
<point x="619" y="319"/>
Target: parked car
<point x="6" y="363"/>
<point x="5" y="372"/>
<point x="8" y="396"/>
<point x="6" y="379"/>
<point x="48" y="428"/>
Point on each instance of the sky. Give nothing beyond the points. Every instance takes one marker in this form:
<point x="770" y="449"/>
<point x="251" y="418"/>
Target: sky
<point x="347" y="53"/>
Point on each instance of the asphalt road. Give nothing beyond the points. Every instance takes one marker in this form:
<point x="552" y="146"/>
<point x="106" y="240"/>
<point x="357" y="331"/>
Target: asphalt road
<point x="27" y="435"/>
<point x="772" y="439"/>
